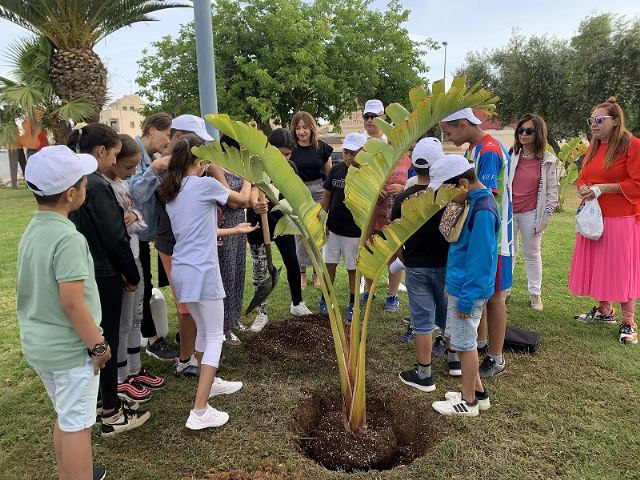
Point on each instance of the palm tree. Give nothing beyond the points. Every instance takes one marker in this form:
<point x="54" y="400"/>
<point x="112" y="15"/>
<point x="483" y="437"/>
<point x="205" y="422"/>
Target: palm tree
<point x="29" y="94"/>
<point x="74" y="27"/>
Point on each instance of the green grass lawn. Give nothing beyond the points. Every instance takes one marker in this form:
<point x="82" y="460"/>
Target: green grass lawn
<point x="569" y="411"/>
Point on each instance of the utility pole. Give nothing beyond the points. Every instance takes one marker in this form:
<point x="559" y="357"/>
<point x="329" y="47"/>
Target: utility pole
<point x="206" y="61"/>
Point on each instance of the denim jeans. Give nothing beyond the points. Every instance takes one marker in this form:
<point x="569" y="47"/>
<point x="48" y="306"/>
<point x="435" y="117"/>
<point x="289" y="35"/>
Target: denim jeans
<point x="428" y="305"/>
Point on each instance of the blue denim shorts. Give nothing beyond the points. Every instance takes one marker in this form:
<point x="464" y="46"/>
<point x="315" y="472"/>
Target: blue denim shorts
<point x="463" y="332"/>
<point x="73" y="393"/>
<point x="427" y="302"/>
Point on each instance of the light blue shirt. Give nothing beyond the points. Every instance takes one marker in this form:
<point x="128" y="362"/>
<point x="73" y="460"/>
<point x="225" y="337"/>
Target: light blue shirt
<point x="142" y="187"/>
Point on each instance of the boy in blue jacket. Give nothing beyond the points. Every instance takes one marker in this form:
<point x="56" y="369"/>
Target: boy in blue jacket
<point x="470" y="281"/>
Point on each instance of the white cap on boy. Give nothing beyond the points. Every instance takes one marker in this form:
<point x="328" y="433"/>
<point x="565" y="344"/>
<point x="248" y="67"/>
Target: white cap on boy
<point x="354" y="141"/>
<point x="373" y="106"/>
<point x="464" y="114"/>
<point x="54" y="169"/>
<point x="191" y="123"/>
<point x="426" y="152"/>
<point x="447" y="167"/>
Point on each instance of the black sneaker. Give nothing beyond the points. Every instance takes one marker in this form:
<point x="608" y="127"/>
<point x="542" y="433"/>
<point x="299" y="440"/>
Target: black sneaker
<point x="161" y="350"/>
<point x="123" y="420"/>
<point x="411" y="378"/>
<point x="489" y="368"/>
<point x="482" y="351"/>
<point x="455" y="368"/>
<point x="439" y="346"/>
<point x="408" y="336"/>
<point x="99" y="473"/>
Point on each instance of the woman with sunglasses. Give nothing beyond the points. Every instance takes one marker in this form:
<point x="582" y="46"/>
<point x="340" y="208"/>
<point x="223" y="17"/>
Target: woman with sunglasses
<point x="535" y="196"/>
<point x="608" y="269"/>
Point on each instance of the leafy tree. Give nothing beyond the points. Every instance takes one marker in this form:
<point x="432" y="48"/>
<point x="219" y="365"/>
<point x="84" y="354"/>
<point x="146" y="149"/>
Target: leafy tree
<point x="274" y="57"/>
<point x="29" y="94"/>
<point x="74" y="27"/>
<point x="264" y="166"/>
<point x="561" y="80"/>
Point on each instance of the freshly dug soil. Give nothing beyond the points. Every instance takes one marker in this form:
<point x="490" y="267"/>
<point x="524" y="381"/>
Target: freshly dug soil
<point x="399" y="430"/>
<point x="298" y="338"/>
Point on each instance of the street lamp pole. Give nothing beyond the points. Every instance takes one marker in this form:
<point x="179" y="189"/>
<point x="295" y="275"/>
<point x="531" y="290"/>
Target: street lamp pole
<point x="206" y="62"/>
<point x="444" y="81"/>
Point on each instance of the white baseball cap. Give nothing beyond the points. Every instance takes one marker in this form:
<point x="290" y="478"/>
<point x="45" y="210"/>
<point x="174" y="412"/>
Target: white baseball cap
<point x="193" y="124"/>
<point x="373" y="106"/>
<point x="354" y="141"/>
<point x="464" y="114"/>
<point x="426" y="152"/>
<point x="54" y="169"/>
<point x="447" y="167"/>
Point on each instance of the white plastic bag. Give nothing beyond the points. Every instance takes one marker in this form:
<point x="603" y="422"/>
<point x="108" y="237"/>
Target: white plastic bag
<point x="159" y="312"/>
<point x="589" y="221"/>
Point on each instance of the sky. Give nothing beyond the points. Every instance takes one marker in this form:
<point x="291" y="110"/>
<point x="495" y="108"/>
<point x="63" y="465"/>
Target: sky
<point x="466" y="25"/>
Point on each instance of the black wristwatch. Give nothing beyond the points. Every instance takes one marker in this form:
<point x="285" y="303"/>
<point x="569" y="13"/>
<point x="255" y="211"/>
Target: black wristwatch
<point x="99" y="349"/>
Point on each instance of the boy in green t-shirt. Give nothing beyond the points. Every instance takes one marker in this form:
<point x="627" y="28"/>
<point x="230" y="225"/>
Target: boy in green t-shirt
<point x="59" y="306"/>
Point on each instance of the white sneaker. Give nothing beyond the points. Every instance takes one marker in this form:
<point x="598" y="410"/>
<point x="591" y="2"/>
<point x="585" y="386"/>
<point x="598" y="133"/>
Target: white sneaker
<point x="259" y="323"/>
<point x="484" y="404"/>
<point x="300" y="310"/>
<point x="223" y="387"/>
<point x="210" y="418"/>
<point x="402" y="287"/>
<point x="536" y="303"/>
<point x="456" y="408"/>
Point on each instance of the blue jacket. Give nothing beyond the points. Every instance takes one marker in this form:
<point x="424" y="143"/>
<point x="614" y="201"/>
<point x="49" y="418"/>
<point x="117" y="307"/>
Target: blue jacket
<point x="142" y="186"/>
<point x="473" y="259"/>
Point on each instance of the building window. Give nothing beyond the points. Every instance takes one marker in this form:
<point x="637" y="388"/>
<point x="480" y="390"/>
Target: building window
<point x="124" y="108"/>
<point x="132" y="124"/>
<point x="114" y="124"/>
<point x="133" y="109"/>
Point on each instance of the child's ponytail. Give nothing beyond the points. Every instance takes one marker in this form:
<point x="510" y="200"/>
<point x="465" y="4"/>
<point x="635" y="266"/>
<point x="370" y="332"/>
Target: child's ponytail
<point x="84" y="138"/>
<point x="181" y="161"/>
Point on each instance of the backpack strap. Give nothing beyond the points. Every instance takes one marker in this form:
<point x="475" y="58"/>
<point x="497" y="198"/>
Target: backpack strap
<point x="484" y="203"/>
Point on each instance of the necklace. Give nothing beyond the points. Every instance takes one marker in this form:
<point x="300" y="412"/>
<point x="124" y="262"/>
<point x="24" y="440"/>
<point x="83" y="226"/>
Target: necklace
<point x="527" y="154"/>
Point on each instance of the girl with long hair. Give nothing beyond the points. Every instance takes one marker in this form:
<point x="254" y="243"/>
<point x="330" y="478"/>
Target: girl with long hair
<point x="191" y="205"/>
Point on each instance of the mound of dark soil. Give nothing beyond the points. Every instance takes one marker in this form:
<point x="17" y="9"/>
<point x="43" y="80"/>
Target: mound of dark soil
<point x="298" y="338"/>
<point x="399" y="430"/>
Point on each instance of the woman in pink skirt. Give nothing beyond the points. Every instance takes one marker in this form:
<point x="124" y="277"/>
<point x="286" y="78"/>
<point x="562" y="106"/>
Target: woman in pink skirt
<point x="608" y="269"/>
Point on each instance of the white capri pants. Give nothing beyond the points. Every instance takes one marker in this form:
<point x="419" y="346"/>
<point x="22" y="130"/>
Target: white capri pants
<point x="209" y="318"/>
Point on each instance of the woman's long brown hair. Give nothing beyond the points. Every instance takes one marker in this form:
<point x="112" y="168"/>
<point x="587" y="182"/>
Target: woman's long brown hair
<point x="540" y="143"/>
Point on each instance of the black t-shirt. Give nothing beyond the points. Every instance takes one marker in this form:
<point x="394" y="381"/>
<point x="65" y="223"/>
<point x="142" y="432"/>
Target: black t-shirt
<point x="340" y="219"/>
<point x="310" y="161"/>
<point x="426" y="248"/>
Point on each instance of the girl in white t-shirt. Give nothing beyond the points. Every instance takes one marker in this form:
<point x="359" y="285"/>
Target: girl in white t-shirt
<point x="191" y="205"/>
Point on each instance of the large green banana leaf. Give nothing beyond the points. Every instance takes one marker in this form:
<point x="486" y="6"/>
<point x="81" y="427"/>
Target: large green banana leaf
<point x="364" y="184"/>
<point x="416" y="211"/>
<point x="261" y="155"/>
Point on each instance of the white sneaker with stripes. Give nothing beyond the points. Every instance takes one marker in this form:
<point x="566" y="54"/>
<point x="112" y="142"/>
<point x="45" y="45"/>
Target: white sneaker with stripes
<point x="457" y="407"/>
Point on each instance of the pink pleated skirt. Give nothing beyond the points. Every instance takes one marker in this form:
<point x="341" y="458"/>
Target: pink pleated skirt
<point x="608" y="268"/>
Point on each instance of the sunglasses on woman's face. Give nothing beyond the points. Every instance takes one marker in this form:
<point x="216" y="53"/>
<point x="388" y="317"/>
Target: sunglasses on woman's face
<point x="528" y="131"/>
<point x="599" y="119"/>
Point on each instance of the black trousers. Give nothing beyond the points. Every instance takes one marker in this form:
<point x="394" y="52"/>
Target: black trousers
<point x="148" y="328"/>
<point x="110" y="290"/>
<point x="287" y="246"/>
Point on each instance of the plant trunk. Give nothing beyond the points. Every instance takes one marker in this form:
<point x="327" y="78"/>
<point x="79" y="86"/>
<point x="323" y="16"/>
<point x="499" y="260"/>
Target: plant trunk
<point x="264" y="127"/>
<point x="79" y="73"/>
<point x="554" y="143"/>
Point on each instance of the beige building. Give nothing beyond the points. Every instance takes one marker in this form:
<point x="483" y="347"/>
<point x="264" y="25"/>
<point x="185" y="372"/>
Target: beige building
<point x="124" y="115"/>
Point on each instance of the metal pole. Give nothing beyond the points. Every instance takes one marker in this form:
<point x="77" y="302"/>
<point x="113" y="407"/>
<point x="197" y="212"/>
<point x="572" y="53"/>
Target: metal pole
<point x="206" y="61"/>
<point x="444" y="81"/>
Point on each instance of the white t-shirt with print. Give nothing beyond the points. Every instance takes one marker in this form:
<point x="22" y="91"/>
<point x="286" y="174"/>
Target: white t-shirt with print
<point x="195" y="270"/>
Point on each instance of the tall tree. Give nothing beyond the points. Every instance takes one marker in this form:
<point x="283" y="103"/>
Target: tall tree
<point x="274" y="57"/>
<point x="74" y="27"/>
<point x="562" y="79"/>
